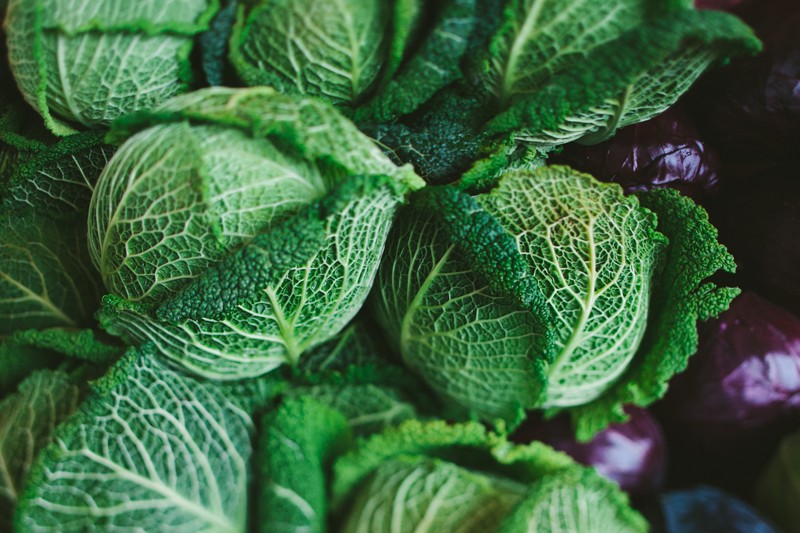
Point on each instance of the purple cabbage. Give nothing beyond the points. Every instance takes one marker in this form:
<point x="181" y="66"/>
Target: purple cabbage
<point x="744" y="377"/>
<point x="632" y="454"/>
<point x="665" y="151"/>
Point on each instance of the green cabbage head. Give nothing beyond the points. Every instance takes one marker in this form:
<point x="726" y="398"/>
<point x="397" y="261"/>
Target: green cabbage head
<point x="90" y="61"/>
<point x="236" y="229"/>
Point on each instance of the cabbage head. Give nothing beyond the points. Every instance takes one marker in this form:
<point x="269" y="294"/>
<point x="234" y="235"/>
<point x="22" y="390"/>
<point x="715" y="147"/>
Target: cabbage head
<point x="89" y="61"/>
<point x="235" y="229"/>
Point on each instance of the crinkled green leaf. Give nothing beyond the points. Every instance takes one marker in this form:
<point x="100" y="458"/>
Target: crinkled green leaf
<point x="59" y="180"/>
<point x="300" y="441"/>
<point x="285" y="292"/>
<point x="89" y="62"/>
<point x="367" y="408"/>
<point x="593" y="254"/>
<point x="214" y="43"/>
<point x="20" y="360"/>
<point x="541" y="38"/>
<point x="425" y="466"/>
<point x="424" y="494"/>
<point x="177" y="198"/>
<point x="82" y="344"/>
<point x="574" y="499"/>
<point x="149" y="450"/>
<point x="333" y="50"/>
<point x="27" y="421"/>
<point x="434" y="64"/>
<point x="445" y="319"/>
<point x="406" y="16"/>
<point x="310" y="127"/>
<point x="626" y="80"/>
<point x="353" y="346"/>
<point x="46" y="279"/>
<point x="681" y="296"/>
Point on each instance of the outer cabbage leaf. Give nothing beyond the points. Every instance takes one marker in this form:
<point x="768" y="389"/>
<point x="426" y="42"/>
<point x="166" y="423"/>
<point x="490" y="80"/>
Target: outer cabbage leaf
<point x="332" y="50"/>
<point x="24" y="351"/>
<point x="540" y="38"/>
<point x="149" y="450"/>
<point x="59" y="179"/>
<point x="367" y="408"/>
<point x="90" y="62"/>
<point x="312" y="128"/>
<point x="476" y="346"/>
<point x="301" y="439"/>
<point x="45" y="278"/>
<point x="681" y="296"/>
<point x="625" y="80"/>
<point x="27" y="420"/>
<point x="353" y="346"/>
<point x="285" y="292"/>
<point x="575" y="499"/>
<point x="593" y="253"/>
<point x="424" y="494"/>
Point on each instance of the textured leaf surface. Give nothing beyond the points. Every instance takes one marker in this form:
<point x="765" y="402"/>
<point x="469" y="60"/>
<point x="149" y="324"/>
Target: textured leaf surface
<point x="626" y="80"/>
<point x="287" y="291"/>
<point x="27" y="421"/>
<point x="46" y="279"/>
<point x="367" y="408"/>
<point x="434" y="64"/>
<point x="90" y="62"/>
<point x="353" y="346"/>
<point x="176" y="198"/>
<point x="540" y="38"/>
<point x="440" y="471"/>
<point x="60" y="179"/>
<point x="333" y="50"/>
<point x="571" y="500"/>
<point x="150" y="450"/>
<point x="422" y="494"/>
<point x="681" y="296"/>
<point x="474" y="346"/>
<point x="593" y="253"/>
<point x="313" y="128"/>
<point x="301" y="439"/>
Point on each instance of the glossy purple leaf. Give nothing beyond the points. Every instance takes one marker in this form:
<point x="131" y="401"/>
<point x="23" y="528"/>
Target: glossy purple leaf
<point x="665" y="151"/>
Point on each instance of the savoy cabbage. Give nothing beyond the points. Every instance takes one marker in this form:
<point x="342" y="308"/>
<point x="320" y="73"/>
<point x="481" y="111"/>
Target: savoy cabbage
<point x="232" y="378"/>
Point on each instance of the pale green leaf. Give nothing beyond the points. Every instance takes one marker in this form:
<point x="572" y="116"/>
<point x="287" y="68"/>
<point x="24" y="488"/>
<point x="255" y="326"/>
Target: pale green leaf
<point x="407" y="495"/>
<point x="540" y="38"/>
<point x="593" y="253"/>
<point x="333" y="50"/>
<point x="27" y="420"/>
<point x="264" y="307"/>
<point x="46" y="278"/>
<point x="474" y="346"/>
<point x="90" y="62"/>
<point x="150" y="450"/>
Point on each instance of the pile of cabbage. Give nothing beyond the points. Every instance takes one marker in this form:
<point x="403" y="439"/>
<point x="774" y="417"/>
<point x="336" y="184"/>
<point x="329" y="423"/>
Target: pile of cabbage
<point x="276" y="265"/>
